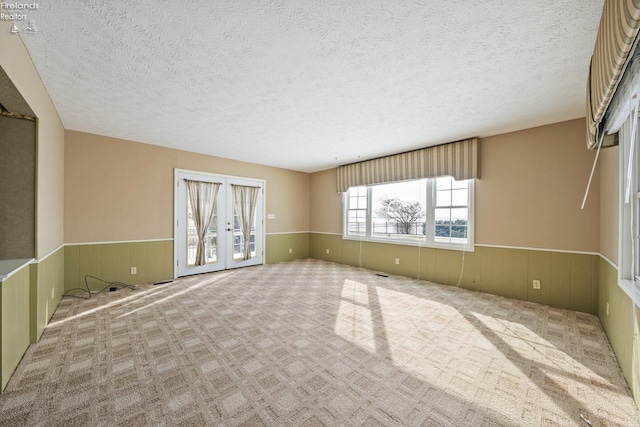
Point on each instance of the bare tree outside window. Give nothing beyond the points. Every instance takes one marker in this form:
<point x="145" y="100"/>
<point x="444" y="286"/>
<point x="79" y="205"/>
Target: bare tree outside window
<point x="404" y="215"/>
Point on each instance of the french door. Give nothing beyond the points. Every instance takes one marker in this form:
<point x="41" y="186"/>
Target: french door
<point x="235" y="235"/>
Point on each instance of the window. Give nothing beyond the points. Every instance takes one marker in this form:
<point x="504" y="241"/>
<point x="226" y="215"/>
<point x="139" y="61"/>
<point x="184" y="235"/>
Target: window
<point x="622" y="118"/>
<point x="629" y="228"/>
<point x="357" y="214"/>
<point x="435" y="212"/>
<point x="452" y="210"/>
<point x="397" y="210"/>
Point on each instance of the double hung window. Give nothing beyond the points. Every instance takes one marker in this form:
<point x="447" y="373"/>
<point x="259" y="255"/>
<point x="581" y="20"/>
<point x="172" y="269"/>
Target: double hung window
<point x="436" y="212"/>
<point x="622" y="117"/>
<point x="629" y="235"/>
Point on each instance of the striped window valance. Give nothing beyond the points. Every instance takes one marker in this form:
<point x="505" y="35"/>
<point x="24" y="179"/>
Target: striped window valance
<point x="615" y="42"/>
<point x="456" y="159"/>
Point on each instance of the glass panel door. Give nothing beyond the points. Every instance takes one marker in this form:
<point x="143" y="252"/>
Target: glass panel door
<point x="224" y="240"/>
<point x="187" y="236"/>
<point x="237" y="238"/>
<point x="210" y="241"/>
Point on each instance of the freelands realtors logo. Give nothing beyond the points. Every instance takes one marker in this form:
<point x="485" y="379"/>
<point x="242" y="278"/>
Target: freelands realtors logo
<point x="19" y="14"/>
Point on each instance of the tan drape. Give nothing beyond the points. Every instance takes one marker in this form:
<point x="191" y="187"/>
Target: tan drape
<point x="615" y="42"/>
<point x="456" y="159"/>
<point x="202" y="198"/>
<point x="245" y="199"/>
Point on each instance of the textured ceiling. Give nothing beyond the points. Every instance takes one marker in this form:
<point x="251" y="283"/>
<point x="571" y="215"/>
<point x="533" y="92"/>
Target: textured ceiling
<point x="308" y="85"/>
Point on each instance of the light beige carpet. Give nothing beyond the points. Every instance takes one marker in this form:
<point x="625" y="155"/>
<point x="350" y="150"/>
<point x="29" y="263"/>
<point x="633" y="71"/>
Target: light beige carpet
<point x="311" y="343"/>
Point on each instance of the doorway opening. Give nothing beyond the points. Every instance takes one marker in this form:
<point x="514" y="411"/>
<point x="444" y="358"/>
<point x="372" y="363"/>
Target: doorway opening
<point x="219" y="222"/>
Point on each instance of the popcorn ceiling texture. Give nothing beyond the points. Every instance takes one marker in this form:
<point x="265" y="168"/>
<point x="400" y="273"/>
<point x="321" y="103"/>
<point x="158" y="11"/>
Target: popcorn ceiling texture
<point x="297" y="84"/>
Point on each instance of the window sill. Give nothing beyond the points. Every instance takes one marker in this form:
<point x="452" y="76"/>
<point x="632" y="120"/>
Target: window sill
<point x="435" y="245"/>
<point x="631" y="288"/>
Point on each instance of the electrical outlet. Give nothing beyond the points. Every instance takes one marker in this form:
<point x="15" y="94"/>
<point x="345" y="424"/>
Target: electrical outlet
<point x="397" y="261"/>
<point x="536" y="284"/>
<point x="607" y="308"/>
<point x="327" y="251"/>
<point x="290" y="250"/>
<point x="134" y="270"/>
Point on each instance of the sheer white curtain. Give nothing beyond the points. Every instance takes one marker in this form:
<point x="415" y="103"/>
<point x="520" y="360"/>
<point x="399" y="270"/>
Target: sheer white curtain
<point x="245" y="199"/>
<point x="203" y="197"/>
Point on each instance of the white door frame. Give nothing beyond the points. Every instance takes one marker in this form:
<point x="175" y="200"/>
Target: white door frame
<point x="209" y="175"/>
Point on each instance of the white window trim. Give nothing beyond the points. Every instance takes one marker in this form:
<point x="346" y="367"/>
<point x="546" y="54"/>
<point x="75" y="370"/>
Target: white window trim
<point x="466" y="247"/>
<point x="628" y="280"/>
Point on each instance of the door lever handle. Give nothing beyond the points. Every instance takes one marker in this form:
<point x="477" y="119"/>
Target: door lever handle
<point x="228" y="229"/>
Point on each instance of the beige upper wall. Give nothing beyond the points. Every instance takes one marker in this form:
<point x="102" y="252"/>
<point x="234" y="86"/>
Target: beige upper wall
<point x="122" y="190"/>
<point x="529" y="194"/>
<point x="531" y="188"/>
<point x="326" y="203"/>
<point x="608" y="164"/>
<point x="15" y="60"/>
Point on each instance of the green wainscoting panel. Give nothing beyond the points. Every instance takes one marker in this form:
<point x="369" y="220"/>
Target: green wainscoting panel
<point x="351" y="252"/>
<point x="521" y="275"/>
<point x="427" y="264"/>
<point x="14" y="322"/>
<point x="540" y="269"/>
<point x="324" y="243"/>
<point x="138" y="257"/>
<point x="595" y="286"/>
<point x="500" y="272"/>
<point x="277" y="247"/>
<point x="155" y="263"/>
<point x="107" y="259"/>
<point x="33" y="303"/>
<point x="47" y="287"/>
<point x="568" y="280"/>
<point x="377" y="257"/>
<point x="560" y="289"/>
<point x="584" y="280"/>
<point x="113" y="261"/>
<point x="620" y="325"/>
<point x="28" y="299"/>
<point x="122" y="263"/>
<point x="448" y="267"/>
<point x="168" y="259"/>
